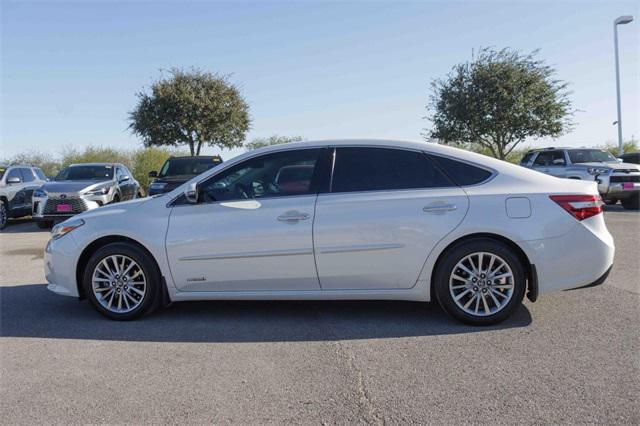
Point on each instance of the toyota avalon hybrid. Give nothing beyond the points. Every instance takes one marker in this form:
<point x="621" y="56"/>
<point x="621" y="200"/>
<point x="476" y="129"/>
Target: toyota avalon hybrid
<point x="351" y="219"/>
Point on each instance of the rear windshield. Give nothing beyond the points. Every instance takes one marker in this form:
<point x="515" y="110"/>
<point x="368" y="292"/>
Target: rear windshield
<point x="86" y="173"/>
<point x="590" y="156"/>
<point x="187" y="166"/>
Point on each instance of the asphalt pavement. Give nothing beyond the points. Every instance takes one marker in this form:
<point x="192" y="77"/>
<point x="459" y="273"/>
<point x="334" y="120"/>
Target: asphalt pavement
<point x="571" y="357"/>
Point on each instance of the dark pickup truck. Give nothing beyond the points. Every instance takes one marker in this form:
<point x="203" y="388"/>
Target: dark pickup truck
<point x="177" y="170"/>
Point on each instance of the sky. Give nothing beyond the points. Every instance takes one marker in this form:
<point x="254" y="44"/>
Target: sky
<point x="320" y="70"/>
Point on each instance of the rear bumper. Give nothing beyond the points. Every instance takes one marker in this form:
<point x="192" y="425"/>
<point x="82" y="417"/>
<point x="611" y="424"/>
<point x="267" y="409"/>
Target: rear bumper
<point x="579" y="258"/>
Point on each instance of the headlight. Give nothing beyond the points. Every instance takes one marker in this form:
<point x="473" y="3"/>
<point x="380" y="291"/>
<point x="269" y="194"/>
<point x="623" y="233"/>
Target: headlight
<point x="62" y="229"/>
<point x="101" y="191"/>
<point x="39" y="193"/>
<point x="597" y="170"/>
<point x="158" y="185"/>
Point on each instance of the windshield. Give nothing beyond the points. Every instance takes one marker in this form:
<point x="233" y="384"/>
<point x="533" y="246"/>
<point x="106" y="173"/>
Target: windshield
<point x="187" y="166"/>
<point x="590" y="156"/>
<point x="86" y="173"/>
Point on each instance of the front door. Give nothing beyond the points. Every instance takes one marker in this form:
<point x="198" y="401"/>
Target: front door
<point x="251" y="229"/>
<point x="386" y="211"/>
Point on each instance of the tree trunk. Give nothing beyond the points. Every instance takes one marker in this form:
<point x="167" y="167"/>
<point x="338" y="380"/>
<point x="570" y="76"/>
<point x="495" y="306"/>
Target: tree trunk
<point x="191" y="148"/>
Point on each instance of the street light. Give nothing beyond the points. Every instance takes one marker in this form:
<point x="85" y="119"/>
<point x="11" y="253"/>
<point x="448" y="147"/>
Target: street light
<point x="619" y="21"/>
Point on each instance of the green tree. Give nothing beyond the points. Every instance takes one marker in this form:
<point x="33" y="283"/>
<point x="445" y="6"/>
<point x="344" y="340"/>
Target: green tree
<point x="193" y="108"/>
<point x="95" y="154"/>
<point x="497" y="101"/>
<point x="271" y="140"/>
<point x="48" y="164"/>
<point x="628" y="146"/>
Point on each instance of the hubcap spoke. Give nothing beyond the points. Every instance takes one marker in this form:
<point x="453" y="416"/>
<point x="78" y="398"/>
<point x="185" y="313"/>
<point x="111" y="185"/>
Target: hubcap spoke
<point x="488" y="276"/>
<point x="119" y="283"/>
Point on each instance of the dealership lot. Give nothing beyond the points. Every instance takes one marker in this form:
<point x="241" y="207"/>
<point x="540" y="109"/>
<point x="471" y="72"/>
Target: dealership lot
<point x="571" y="357"/>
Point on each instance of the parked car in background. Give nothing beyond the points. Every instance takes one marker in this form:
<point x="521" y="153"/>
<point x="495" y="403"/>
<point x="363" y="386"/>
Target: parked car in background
<point x="177" y="170"/>
<point x="630" y="157"/>
<point x="355" y="219"/>
<point x="82" y="187"/>
<point x="616" y="180"/>
<point x="17" y="184"/>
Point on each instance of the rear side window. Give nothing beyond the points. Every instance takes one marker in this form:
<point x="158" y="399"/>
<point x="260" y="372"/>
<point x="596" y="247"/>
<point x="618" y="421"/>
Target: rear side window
<point x="461" y="173"/>
<point x="27" y="175"/>
<point x="381" y="169"/>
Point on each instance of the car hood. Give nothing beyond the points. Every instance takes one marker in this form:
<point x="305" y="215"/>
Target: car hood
<point x="609" y="164"/>
<point x="74" y="186"/>
<point x="174" y="179"/>
<point x="113" y="209"/>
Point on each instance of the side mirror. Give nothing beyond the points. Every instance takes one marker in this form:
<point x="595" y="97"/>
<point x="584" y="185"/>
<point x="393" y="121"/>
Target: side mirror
<point x="124" y="178"/>
<point x="153" y="174"/>
<point x="620" y="160"/>
<point x="12" y="180"/>
<point x="191" y="193"/>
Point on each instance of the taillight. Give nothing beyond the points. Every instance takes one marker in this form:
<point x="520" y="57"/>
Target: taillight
<point x="579" y="206"/>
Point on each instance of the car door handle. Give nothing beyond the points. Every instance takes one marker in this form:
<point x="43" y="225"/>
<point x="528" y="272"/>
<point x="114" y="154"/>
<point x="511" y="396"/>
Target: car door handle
<point x="293" y="216"/>
<point x="439" y="208"/>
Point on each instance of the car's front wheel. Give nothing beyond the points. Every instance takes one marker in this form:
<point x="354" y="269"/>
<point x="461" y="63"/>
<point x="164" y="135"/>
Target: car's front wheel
<point x="632" y="202"/>
<point x="480" y="282"/>
<point x="3" y="214"/>
<point x="122" y="281"/>
<point x="44" y="224"/>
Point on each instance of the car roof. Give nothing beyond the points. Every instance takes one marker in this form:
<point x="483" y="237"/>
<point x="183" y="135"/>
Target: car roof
<point x="194" y="156"/>
<point x="95" y="164"/>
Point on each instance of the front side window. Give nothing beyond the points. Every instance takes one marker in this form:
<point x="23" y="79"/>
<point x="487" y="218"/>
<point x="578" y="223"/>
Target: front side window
<point x="27" y="175"/>
<point x="14" y="173"/>
<point x="279" y="174"/>
<point x="381" y="169"/>
<point x="590" y="156"/>
<point x="187" y="167"/>
<point x="86" y="173"/>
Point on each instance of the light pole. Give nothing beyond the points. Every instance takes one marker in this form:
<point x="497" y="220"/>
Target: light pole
<point x="619" y="21"/>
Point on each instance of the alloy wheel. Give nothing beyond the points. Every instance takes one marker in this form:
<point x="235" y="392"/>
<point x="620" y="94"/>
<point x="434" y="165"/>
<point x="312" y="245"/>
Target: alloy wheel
<point x="481" y="284"/>
<point x="119" y="283"/>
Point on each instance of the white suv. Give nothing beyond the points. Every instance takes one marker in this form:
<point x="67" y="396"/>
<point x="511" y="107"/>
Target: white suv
<point x="17" y="184"/>
<point x="616" y="180"/>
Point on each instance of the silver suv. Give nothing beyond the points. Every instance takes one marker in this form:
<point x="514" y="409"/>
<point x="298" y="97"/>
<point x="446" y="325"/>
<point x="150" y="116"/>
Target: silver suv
<point x="82" y="187"/>
<point x="17" y="184"/>
<point x="616" y="180"/>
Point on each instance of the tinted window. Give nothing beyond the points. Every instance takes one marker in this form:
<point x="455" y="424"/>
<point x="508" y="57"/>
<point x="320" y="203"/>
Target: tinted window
<point x="188" y="167"/>
<point x="379" y="169"/>
<point x="550" y="158"/>
<point x="590" y="156"/>
<point x="273" y="175"/>
<point x="40" y="174"/>
<point x="527" y="157"/>
<point x="86" y="173"/>
<point x="27" y="175"/>
<point x="461" y="173"/>
<point x="14" y="173"/>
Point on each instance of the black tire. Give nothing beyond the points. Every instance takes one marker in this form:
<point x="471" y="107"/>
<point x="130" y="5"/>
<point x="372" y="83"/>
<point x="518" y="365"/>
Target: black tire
<point x="610" y="201"/>
<point x="631" y="203"/>
<point x="4" y="214"/>
<point x="116" y="199"/>
<point x="44" y="224"/>
<point x="454" y="255"/>
<point x="150" y="300"/>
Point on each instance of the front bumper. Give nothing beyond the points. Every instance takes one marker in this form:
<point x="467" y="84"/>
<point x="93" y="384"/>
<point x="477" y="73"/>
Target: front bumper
<point x="49" y="207"/>
<point x="618" y="185"/>
<point x="60" y="259"/>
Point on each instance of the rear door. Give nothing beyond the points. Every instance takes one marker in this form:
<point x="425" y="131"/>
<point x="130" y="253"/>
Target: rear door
<point x="386" y="210"/>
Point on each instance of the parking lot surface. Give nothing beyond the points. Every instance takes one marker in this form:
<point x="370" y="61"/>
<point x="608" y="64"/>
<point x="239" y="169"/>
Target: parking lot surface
<point x="571" y="357"/>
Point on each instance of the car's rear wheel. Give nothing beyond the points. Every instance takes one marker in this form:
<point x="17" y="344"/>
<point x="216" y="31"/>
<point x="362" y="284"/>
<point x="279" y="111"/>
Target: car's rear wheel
<point x="44" y="224"/>
<point x="480" y="282"/>
<point x="122" y="281"/>
<point x="632" y="202"/>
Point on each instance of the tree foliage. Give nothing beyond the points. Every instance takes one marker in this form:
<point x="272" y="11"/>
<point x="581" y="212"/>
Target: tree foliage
<point x="497" y="101"/>
<point x="271" y="140"/>
<point x="193" y="108"/>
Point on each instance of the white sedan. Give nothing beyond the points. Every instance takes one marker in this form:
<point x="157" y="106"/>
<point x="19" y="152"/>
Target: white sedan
<point x="348" y="219"/>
